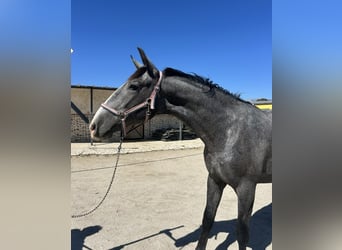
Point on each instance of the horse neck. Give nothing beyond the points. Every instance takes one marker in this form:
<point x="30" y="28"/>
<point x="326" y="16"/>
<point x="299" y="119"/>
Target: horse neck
<point x="206" y="112"/>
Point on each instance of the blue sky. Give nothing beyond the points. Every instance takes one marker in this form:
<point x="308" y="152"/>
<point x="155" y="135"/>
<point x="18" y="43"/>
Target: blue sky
<point x="229" y="41"/>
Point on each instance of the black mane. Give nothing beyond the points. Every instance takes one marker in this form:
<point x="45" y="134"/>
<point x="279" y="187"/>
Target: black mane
<point x="204" y="81"/>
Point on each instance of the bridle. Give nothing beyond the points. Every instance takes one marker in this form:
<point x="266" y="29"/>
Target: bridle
<point x="149" y="103"/>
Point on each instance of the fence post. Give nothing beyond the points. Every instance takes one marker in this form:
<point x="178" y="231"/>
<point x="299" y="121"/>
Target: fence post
<point x="91" y="111"/>
<point x="180" y="130"/>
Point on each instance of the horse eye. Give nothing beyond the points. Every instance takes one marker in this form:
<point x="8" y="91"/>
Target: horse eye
<point x="133" y="87"/>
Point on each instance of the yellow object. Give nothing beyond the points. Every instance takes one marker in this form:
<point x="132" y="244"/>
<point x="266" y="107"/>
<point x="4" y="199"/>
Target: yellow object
<point x="264" y="106"/>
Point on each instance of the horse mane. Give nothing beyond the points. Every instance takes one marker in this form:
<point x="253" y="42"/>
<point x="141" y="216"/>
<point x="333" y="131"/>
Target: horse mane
<point x="204" y="81"/>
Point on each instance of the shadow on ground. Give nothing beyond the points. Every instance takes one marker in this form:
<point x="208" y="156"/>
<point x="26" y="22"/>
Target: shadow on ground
<point x="260" y="231"/>
<point x="165" y="231"/>
<point x="78" y="237"/>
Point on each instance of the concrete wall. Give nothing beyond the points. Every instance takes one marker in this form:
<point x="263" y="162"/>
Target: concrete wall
<point x="100" y="96"/>
<point x="81" y="97"/>
<point x="88" y="100"/>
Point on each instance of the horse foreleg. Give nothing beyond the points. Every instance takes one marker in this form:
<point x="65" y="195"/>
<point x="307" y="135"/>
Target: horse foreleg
<point x="214" y="194"/>
<point x="246" y="193"/>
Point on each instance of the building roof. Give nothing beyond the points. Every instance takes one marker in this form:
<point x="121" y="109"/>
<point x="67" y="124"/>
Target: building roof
<point x="91" y="87"/>
<point x="261" y="101"/>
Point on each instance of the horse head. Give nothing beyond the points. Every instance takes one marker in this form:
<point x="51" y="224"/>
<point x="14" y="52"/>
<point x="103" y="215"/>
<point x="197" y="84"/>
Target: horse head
<point x="131" y="104"/>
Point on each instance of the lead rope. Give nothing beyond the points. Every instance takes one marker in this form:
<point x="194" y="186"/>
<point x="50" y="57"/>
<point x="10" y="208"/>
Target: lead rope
<point x="110" y="184"/>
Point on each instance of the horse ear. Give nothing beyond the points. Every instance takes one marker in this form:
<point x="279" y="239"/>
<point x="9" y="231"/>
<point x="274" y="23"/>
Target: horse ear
<point x="136" y="63"/>
<point x="151" y="69"/>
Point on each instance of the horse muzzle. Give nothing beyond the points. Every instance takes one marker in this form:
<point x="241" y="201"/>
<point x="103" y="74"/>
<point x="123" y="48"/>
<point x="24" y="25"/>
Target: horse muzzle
<point x="101" y="128"/>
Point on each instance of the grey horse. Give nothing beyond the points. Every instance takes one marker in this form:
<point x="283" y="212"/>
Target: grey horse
<point x="236" y="134"/>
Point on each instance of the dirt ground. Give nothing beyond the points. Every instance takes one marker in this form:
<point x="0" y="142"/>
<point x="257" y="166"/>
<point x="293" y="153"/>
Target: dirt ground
<point x="156" y="202"/>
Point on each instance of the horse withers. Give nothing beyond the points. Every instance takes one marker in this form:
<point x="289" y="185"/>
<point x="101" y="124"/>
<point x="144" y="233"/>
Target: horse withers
<point x="237" y="135"/>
